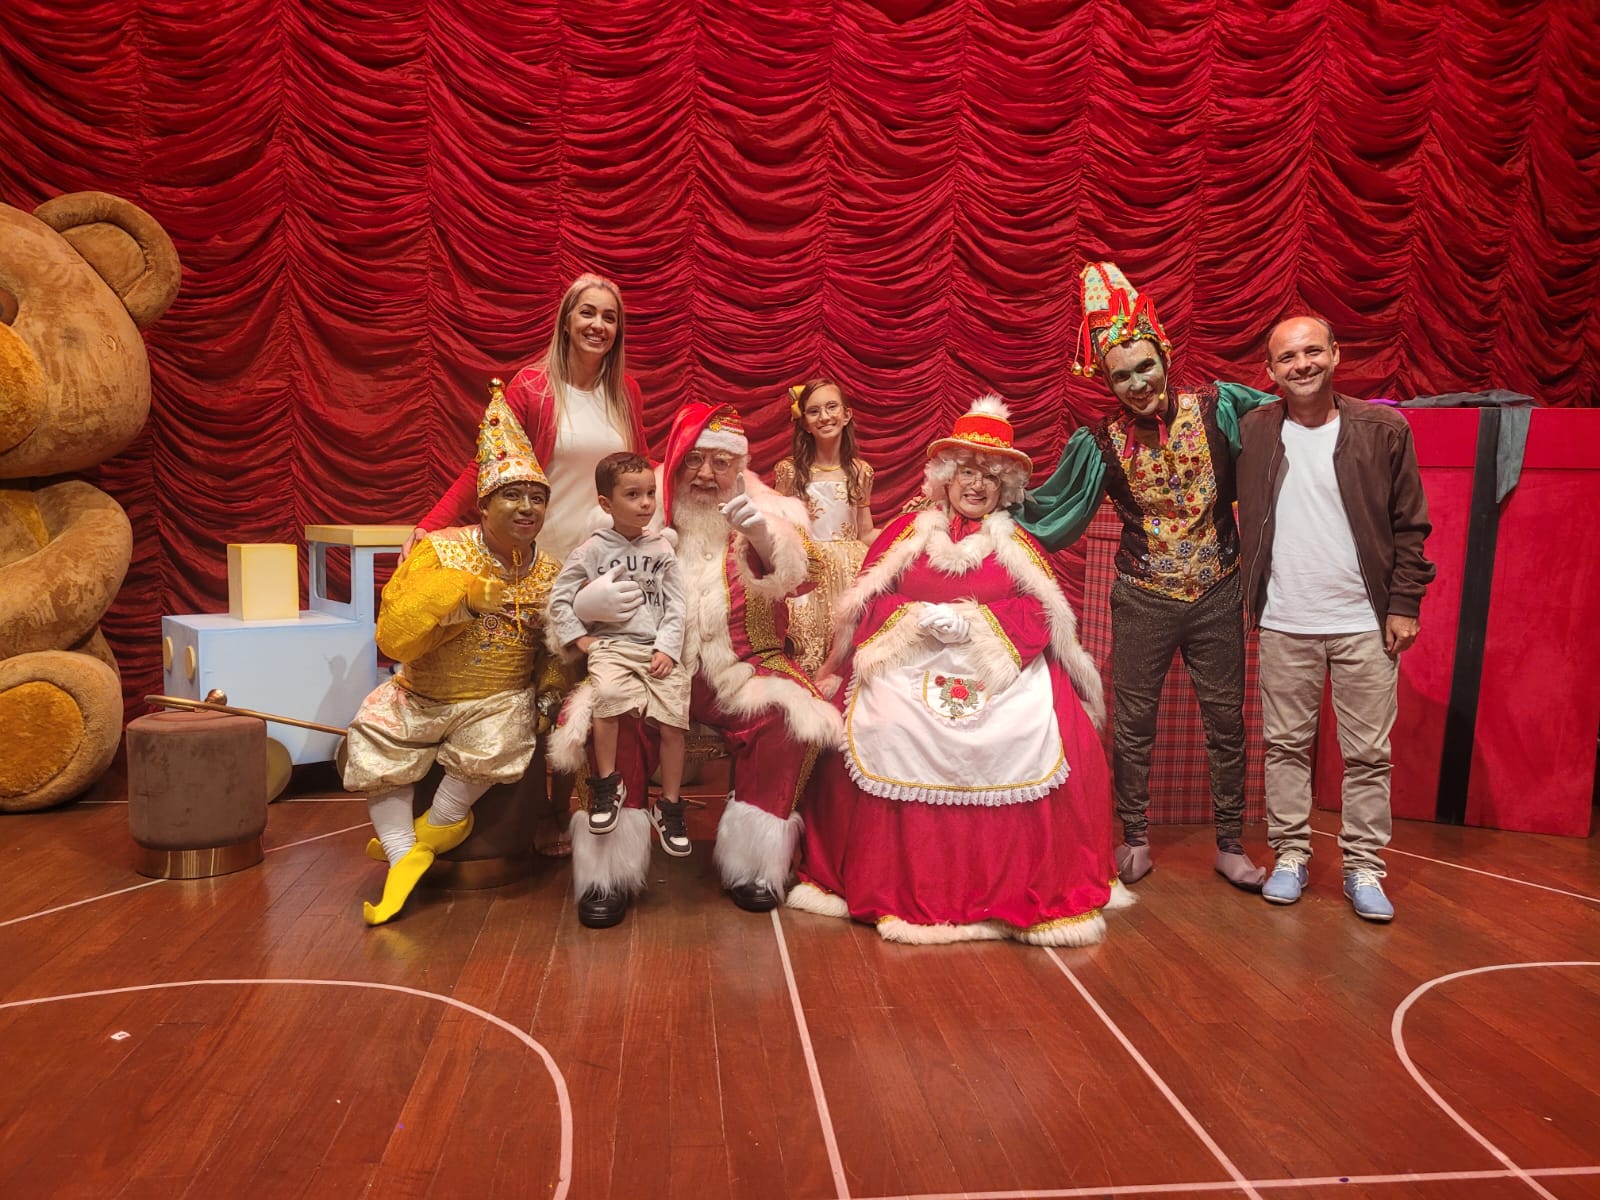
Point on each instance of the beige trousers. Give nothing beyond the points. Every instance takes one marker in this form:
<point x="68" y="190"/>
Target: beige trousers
<point x="1293" y="669"/>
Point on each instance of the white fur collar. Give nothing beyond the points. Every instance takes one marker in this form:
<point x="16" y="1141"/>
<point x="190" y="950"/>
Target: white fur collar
<point x="929" y="534"/>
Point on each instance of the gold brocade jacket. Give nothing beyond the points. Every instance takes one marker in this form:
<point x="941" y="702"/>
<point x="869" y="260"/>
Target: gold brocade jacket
<point x="447" y="651"/>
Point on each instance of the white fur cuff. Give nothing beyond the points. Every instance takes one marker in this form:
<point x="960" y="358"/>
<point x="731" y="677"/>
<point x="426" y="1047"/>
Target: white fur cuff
<point x="808" y="897"/>
<point x="613" y="862"/>
<point x="754" y="846"/>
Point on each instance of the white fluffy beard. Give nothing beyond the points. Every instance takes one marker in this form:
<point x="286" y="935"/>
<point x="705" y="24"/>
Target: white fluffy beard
<point x="702" y="529"/>
<point x="702" y="545"/>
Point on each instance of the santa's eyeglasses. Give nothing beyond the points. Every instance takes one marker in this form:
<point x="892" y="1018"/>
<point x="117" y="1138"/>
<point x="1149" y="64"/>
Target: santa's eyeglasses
<point x="694" y="460"/>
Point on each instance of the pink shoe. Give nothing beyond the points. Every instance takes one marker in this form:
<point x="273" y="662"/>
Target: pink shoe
<point x="1235" y="866"/>
<point x="1133" y="862"/>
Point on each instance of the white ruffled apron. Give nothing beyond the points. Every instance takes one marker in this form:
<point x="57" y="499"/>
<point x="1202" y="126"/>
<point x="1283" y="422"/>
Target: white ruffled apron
<point x="929" y="730"/>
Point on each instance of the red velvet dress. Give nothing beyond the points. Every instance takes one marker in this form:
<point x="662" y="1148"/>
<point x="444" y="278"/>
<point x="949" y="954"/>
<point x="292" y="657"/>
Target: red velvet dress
<point x="992" y="845"/>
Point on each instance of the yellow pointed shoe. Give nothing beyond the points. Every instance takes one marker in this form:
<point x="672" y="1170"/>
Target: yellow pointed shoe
<point x="399" y="884"/>
<point x="442" y="837"/>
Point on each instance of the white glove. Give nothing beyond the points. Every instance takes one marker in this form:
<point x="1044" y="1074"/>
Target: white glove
<point x="944" y="623"/>
<point x="607" y="598"/>
<point x="749" y="520"/>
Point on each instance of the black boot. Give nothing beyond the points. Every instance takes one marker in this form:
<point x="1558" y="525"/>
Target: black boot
<point x="754" y="897"/>
<point x="601" y="910"/>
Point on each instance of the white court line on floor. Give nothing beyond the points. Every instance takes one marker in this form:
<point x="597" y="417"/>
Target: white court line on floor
<point x="563" y="1100"/>
<point x="1224" y="1185"/>
<point x="834" y="1161"/>
<point x="1397" y="1035"/>
<point x="319" y="837"/>
<point x="1240" y="1182"/>
<point x="1444" y="862"/>
<point x="45" y="912"/>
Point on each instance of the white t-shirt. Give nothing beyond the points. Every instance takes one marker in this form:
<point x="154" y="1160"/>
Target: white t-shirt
<point x="583" y="438"/>
<point x="1315" y="586"/>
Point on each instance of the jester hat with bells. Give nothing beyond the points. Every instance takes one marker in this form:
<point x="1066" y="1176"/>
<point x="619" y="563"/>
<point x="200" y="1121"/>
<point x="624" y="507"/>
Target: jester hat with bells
<point x="505" y="455"/>
<point x="1114" y="313"/>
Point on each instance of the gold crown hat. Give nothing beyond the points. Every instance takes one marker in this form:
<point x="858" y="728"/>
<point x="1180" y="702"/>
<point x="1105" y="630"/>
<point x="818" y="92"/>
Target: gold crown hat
<point x="505" y="455"/>
<point x="1114" y="313"/>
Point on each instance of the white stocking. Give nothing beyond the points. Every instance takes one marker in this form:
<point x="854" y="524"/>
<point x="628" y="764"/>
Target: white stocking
<point x="390" y="813"/>
<point x="454" y="800"/>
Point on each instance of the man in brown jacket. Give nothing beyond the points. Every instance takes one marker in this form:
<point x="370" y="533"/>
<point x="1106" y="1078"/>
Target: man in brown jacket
<point x="1333" y="519"/>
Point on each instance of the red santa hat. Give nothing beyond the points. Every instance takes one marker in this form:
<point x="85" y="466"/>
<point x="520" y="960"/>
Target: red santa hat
<point x="709" y="428"/>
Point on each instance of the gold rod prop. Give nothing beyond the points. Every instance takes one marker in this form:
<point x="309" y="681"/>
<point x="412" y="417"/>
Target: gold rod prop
<point x="207" y="706"/>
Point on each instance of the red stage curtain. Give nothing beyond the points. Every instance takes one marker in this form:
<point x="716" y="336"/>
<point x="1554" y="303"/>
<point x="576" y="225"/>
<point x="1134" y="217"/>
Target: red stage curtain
<point x="378" y="204"/>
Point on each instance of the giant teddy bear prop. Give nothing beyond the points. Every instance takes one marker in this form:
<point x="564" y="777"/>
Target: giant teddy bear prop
<point x="79" y="279"/>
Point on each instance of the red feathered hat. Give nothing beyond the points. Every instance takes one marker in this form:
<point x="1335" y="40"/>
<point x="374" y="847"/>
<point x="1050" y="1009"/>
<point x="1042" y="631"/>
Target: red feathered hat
<point x="703" y="426"/>
<point x="985" y="428"/>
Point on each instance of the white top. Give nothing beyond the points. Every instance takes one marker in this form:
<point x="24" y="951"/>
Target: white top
<point x="583" y="438"/>
<point x="833" y="517"/>
<point x="1315" y="586"/>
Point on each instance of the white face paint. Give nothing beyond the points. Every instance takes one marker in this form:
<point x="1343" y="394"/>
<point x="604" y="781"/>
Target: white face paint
<point x="1137" y="377"/>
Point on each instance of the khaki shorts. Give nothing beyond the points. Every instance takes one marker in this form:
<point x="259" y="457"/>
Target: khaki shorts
<point x="620" y="672"/>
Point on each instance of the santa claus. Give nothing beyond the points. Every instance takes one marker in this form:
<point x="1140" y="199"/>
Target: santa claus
<point x="743" y="554"/>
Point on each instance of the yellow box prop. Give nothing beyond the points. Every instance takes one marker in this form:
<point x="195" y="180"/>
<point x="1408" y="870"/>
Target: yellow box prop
<point x="263" y="581"/>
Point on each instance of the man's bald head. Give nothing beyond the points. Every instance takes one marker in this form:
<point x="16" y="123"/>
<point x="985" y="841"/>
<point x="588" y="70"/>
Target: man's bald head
<point x="1327" y="330"/>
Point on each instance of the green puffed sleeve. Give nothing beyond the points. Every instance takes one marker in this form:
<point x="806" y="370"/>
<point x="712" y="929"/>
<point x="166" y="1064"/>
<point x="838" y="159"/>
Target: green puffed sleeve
<point x="1234" y="400"/>
<point x="1060" y="509"/>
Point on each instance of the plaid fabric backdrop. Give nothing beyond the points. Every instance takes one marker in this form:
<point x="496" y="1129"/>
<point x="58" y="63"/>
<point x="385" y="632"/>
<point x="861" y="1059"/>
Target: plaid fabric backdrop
<point x="1180" y="787"/>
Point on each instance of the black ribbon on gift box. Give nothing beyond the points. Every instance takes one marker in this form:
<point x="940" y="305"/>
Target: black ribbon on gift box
<point x="1502" y="439"/>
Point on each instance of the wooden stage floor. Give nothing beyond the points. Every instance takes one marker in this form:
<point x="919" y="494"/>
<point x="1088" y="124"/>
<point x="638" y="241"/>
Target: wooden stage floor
<point x="247" y="1036"/>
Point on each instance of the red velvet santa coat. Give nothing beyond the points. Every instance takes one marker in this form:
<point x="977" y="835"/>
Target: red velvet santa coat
<point x="1034" y="865"/>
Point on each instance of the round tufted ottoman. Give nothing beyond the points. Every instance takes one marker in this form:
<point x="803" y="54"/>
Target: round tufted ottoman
<point x="197" y="793"/>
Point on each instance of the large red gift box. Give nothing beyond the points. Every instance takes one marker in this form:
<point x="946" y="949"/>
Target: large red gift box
<point x="1511" y="745"/>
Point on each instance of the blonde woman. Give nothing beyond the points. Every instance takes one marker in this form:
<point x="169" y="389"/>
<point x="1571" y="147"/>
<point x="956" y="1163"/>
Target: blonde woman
<point x="578" y="405"/>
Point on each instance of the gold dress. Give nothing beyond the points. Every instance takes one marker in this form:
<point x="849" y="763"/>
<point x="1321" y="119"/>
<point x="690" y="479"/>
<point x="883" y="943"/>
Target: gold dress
<point x="834" y="534"/>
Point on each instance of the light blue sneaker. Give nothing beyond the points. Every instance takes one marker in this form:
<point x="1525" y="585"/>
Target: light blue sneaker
<point x="1287" y="881"/>
<point x="1363" y="887"/>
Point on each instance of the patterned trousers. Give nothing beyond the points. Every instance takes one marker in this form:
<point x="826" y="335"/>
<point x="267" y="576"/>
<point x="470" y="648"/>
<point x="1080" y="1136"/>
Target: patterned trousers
<point x="1146" y="629"/>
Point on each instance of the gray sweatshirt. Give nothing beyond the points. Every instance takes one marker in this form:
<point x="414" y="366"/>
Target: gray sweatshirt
<point x="649" y="561"/>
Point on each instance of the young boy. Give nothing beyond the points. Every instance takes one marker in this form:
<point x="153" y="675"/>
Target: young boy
<point x="636" y="664"/>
